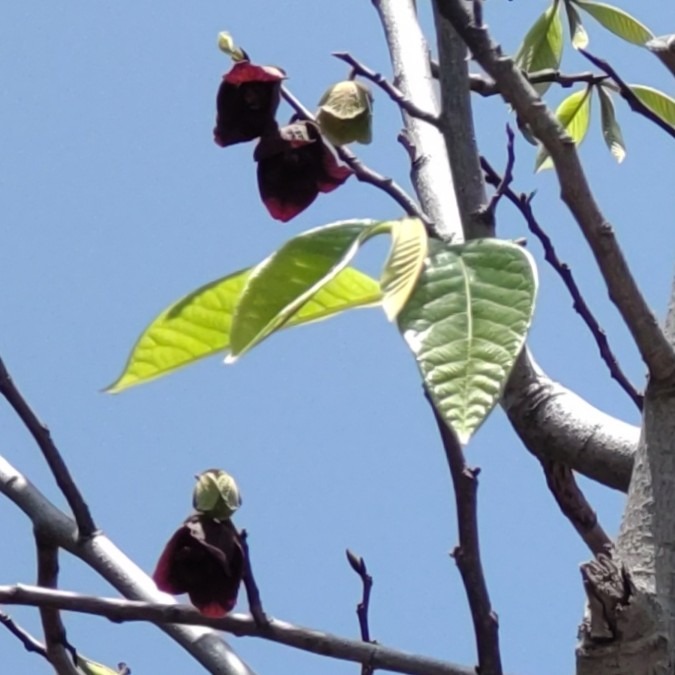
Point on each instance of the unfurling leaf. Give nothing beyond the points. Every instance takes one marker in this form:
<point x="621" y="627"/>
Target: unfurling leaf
<point x="199" y="324"/>
<point x="658" y="102"/>
<point x="542" y="46"/>
<point x="294" y="166"/>
<point x="466" y="323"/>
<point x="577" y="31"/>
<point x="617" y="21"/>
<point x="89" y="667"/>
<point x="611" y="131"/>
<point x="227" y="46"/>
<point x="574" y="113"/>
<point x="345" y="113"/>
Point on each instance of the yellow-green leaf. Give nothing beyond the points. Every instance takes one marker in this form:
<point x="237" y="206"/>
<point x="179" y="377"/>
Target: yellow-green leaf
<point x="611" y="131"/>
<point x="199" y="324"/>
<point x="542" y="46"/>
<point x="404" y="264"/>
<point x="574" y="113"/>
<point x="658" y="102"/>
<point x="577" y="31"/>
<point x="617" y="21"/>
<point x="89" y="667"/>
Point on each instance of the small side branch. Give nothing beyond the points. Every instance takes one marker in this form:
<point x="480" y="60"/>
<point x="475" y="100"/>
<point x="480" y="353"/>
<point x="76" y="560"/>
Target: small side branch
<point x="307" y="639"/>
<point x="636" y="105"/>
<point x="364" y="173"/>
<point x="572" y="502"/>
<point x="43" y="438"/>
<point x="395" y="94"/>
<point x="467" y="554"/>
<point x="524" y="204"/>
<point x="30" y="643"/>
<point x="505" y="181"/>
<point x="252" y="592"/>
<point x="358" y="564"/>
<point x="664" y="48"/>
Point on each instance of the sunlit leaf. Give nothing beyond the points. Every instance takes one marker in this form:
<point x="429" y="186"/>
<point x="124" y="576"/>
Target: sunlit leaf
<point x="89" y="667"/>
<point x="282" y="283"/>
<point x="578" y="33"/>
<point x="466" y="323"/>
<point x="542" y="46"/>
<point x="199" y="324"/>
<point x="658" y="102"/>
<point x="611" y="131"/>
<point x="404" y="264"/>
<point x="617" y="21"/>
<point x="574" y="113"/>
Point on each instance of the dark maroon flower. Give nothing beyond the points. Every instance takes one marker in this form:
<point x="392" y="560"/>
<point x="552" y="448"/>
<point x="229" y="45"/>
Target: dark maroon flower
<point x="294" y="165"/>
<point x="247" y="102"/>
<point x="204" y="558"/>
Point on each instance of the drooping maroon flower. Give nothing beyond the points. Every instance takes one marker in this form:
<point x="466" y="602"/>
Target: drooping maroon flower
<point x="294" y="165"/>
<point x="247" y="101"/>
<point x="204" y="558"/>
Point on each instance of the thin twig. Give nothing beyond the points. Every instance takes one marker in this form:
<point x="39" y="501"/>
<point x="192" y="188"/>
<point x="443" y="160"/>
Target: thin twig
<point x="364" y="173"/>
<point x="358" y="564"/>
<point x="29" y="642"/>
<point x="560" y="480"/>
<point x="664" y="48"/>
<point x="81" y="513"/>
<point x="394" y="93"/>
<point x="59" y="651"/>
<point x="306" y="639"/>
<point x="636" y="105"/>
<point x="467" y="553"/>
<point x="252" y="593"/>
<point x="507" y="178"/>
<point x="524" y="204"/>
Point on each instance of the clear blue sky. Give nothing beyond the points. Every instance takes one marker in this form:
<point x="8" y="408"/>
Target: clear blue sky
<point x="116" y="201"/>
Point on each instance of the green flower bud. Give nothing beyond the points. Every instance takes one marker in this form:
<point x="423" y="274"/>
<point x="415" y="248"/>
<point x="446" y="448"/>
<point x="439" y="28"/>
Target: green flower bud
<point x="216" y="494"/>
<point x="345" y="113"/>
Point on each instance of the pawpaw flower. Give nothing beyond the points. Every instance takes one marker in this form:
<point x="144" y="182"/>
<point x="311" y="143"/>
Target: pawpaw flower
<point x="294" y="165"/>
<point x="204" y="558"/>
<point x="247" y="101"/>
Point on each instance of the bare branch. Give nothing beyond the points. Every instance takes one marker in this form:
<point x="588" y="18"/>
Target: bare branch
<point x="102" y="555"/>
<point x="252" y="593"/>
<point x="30" y="643"/>
<point x="664" y="48"/>
<point x="467" y="553"/>
<point x="364" y="173"/>
<point x="636" y="105"/>
<point x="502" y="185"/>
<point x="655" y="350"/>
<point x="306" y="639"/>
<point x="524" y="204"/>
<point x="431" y="174"/>
<point x="358" y="564"/>
<point x="43" y="438"/>
<point x="574" y="506"/>
<point x="395" y="94"/>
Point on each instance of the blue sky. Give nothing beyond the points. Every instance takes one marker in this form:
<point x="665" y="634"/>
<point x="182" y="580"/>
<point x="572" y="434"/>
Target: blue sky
<point x="116" y="202"/>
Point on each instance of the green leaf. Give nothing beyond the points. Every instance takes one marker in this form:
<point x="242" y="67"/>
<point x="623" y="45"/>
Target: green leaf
<point x="542" y="46"/>
<point x="404" y="264"/>
<point x="282" y="283"/>
<point x="577" y="31"/>
<point x="574" y="113"/>
<point x="89" y="667"/>
<point x="617" y="21"/>
<point x="199" y="324"/>
<point x="466" y="323"/>
<point x="658" y="102"/>
<point x="611" y="131"/>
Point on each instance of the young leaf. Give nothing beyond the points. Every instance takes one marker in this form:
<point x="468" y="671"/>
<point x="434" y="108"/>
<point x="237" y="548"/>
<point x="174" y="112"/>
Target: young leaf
<point x="89" y="667"/>
<point x="199" y="324"/>
<point x="404" y="264"/>
<point x="574" y="113"/>
<point x="282" y="283"/>
<point x="617" y="21"/>
<point x="577" y="31"/>
<point x="658" y="102"/>
<point x="611" y="130"/>
<point x="466" y="322"/>
<point x="542" y="46"/>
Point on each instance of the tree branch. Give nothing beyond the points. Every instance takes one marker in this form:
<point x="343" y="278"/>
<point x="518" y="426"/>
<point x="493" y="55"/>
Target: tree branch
<point x="102" y="555"/>
<point x="30" y="643"/>
<point x="656" y="352"/>
<point x="40" y="433"/>
<point x="664" y="48"/>
<point x="636" y="105"/>
<point x="431" y="173"/>
<point x="306" y="639"/>
<point x="358" y="564"/>
<point x="467" y="553"/>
